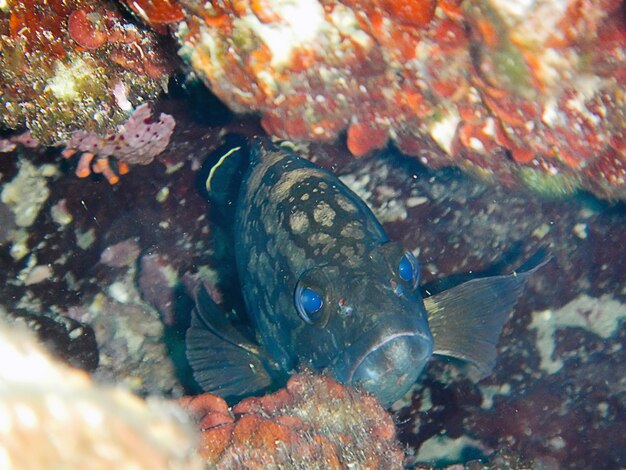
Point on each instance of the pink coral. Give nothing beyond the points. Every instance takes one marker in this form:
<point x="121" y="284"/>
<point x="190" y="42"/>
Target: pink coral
<point x="25" y="139"/>
<point x="137" y="142"/>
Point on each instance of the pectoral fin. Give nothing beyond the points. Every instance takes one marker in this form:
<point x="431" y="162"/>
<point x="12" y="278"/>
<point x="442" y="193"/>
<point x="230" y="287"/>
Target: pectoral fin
<point x="466" y="321"/>
<point x="224" y="362"/>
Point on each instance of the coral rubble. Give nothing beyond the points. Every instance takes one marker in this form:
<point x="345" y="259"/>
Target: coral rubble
<point x="27" y="192"/>
<point x="312" y="423"/>
<point x="129" y="334"/>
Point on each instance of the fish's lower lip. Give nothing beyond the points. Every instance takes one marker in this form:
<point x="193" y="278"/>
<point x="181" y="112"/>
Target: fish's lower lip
<point x="388" y="356"/>
<point x="389" y="367"/>
<point x="378" y="346"/>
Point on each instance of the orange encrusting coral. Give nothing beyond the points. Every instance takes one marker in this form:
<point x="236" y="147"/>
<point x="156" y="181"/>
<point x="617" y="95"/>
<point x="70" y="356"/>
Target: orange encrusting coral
<point x="313" y="421"/>
<point x="87" y="29"/>
<point x="363" y="138"/>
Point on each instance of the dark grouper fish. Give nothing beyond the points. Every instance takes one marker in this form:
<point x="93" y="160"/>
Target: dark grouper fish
<point x="326" y="289"/>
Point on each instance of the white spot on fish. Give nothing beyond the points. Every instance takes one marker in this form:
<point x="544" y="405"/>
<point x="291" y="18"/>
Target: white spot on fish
<point x="324" y="214"/>
<point x="298" y="222"/>
<point x="282" y="189"/>
<point x="320" y="239"/>
<point x="347" y="251"/>
<point x="345" y="203"/>
<point x="352" y="230"/>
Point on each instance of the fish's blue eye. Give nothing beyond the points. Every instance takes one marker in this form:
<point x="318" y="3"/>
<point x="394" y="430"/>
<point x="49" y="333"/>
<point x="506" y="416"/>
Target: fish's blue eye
<point x="408" y="269"/>
<point x="311" y="302"/>
<point x="405" y="269"/>
<point x="308" y="303"/>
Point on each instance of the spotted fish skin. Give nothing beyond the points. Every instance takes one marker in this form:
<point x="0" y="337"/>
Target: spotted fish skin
<point x="298" y="226"/>
<point x="295" y="216"/>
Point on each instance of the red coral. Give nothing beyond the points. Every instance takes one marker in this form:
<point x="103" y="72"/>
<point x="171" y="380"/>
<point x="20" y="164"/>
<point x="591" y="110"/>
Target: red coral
<point x="409" y="11"/>
<point x="499" y="90"/>
<point x="37" y="26"/>
<point x="362" y="138"/>
<point x="314" y="421"/>
<point x="157" y="12"/>
<point x="44" y="27"/>
<point x="87" y="29"/>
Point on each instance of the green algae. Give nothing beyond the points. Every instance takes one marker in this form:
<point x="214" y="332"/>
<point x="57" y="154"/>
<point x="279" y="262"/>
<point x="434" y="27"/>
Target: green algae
<point x="548" y="184"/>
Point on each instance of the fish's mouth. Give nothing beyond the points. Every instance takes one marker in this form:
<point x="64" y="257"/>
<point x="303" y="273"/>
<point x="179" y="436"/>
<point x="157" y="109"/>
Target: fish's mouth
<point x="388" y="367"/>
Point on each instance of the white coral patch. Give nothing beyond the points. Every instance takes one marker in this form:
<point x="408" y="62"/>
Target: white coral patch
<point x="441" y="447"/>
<point x="443" y="130"/>
<point x="300" y="23"/>
<point x="64" y="83"/>
<point x="601" y="316"/>
<point x="26" y="194"/>
<point x="347" y="24"/>
<point x="513" y="11"/>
